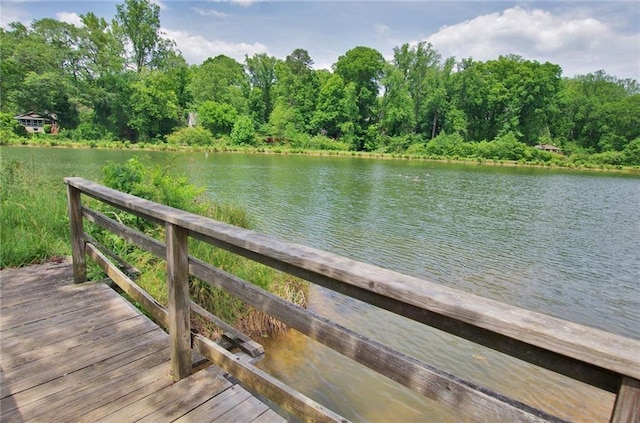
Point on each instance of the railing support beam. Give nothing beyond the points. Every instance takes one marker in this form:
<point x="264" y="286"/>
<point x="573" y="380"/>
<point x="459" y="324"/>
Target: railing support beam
<point x="627" y="406"/>
<point x="77" y="235"/>
<point x="178" y="300"/>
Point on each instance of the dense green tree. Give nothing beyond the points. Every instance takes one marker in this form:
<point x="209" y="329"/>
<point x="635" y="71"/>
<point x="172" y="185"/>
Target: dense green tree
<point x="262" y="75"/>
<point x="396" y="114"/>
<point x="330" y="112"/>
<point x="154" y="106"/>
<point x="221" y="79"/>
<point x="139" y="22"/>
<point x="243" y="132"/>
<point x="363" y="67"/>
<point x="509" y="94"/>
<point x="102" y="47"/>
<point x="217" y="117"/>
<point x="419" y="66"/>
<point x="599" y="113"/>
<point x="298" y="87"/>
<point x="48" y="93"/>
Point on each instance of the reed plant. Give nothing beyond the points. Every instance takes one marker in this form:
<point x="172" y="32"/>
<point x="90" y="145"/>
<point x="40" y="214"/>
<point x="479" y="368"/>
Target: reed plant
<point x="34" y="226"/>
<point x="162" y="185"/>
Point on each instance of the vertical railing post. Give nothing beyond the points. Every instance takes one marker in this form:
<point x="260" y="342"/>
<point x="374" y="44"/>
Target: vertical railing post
<point x="178" y="296"/>
<point x="77" y="235"/>
<point x="627" y="406"/>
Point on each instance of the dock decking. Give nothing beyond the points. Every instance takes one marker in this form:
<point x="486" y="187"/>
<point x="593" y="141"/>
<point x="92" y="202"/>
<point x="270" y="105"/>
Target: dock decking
<point x="83" y="353"/>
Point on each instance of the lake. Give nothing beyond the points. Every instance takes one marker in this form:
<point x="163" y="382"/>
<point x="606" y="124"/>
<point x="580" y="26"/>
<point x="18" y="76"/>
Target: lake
<point x="564" y="243"/>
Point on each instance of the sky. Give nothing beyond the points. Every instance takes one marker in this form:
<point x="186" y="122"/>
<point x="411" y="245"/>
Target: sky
<point x="581" y="37"/>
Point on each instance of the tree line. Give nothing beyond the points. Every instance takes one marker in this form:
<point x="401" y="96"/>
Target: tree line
<point x="123" y="80"/>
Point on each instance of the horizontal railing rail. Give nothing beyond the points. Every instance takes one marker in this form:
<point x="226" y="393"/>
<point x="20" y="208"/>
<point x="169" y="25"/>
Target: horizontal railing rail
<point x="598" y="358"/>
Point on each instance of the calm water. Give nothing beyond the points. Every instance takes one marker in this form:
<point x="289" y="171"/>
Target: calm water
<point x="562" y="243"/>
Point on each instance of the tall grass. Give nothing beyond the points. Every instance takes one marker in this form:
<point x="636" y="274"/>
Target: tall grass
<point x="33" y="211"/>
<point x="161" y="185"/>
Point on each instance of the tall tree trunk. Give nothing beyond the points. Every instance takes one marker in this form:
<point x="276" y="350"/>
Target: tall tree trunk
<point x="435" y="121"/>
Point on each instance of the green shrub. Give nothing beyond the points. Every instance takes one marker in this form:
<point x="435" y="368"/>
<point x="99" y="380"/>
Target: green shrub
<point x="632" y="153"/>
<point x="243" y="132"/>
<point x="159" y="184"/>
<point x="445" y="145"/>
<point x="321" y="142"/>
<point x="195" y="136"/>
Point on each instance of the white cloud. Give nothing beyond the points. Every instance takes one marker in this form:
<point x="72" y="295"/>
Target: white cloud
<point x="70" y="18"/>
<point x="244" y="3"/>
<point x="160" y="4"/>
<point x="196" y="49"/>
<point x="381" y="29"/>
<point x="209" y="12"/>
<point x="579" y="44"/>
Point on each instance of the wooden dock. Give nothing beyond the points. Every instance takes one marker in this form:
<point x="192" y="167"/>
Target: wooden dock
<point x="82" y="353"/>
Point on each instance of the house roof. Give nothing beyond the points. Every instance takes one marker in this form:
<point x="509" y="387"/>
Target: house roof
<point x="34" y="115"/>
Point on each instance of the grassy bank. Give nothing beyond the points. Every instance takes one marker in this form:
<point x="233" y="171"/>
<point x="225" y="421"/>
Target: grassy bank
<point x="35" y="229"/>
<point x="593" y="162"/>
<point x="33" y="212"/>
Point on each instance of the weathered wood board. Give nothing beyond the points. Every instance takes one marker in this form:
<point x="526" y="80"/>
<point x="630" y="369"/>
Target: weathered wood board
<point x="82" y="353"/>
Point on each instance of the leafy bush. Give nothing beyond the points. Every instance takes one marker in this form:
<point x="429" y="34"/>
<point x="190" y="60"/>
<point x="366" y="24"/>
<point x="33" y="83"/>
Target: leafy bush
<point x="217" y="117"/>
<point x="615" y="158"/>
<point x="243" y="132"/>
<point x="191" y="136"/>
<point x="153" y="183"/>
<point x="321" y="142"/>
<point x="445" y="145"/>
<point x="632" y="153"/>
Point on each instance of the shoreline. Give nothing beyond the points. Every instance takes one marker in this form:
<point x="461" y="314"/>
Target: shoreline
<point x="270" y="150"/>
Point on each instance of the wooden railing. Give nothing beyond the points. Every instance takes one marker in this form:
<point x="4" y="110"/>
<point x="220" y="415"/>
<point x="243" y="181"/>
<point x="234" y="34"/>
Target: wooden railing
<point x="601" y="359"/>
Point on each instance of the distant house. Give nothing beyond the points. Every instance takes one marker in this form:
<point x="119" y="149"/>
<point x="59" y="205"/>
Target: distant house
<point x="34" y="122"/>
<point x="547" y="147"/>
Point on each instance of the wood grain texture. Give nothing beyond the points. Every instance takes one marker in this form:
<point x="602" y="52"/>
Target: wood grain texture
<point x="294" y="402"/>
<point x="149" y="303"/>
<point x="178" y="300"/>
<point x="77" y="239"/>
<point x="87" y="364"/>
<point x="627" y="406"/>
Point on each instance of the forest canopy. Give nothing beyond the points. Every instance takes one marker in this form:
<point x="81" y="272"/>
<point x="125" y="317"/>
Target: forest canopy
<point x="124" y="80"/>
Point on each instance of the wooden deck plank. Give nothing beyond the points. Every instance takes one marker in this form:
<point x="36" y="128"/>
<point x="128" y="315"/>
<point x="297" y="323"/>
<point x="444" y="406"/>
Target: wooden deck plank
<point x="176" y="400"/>
<point x="106" y="390"/>
<point x="216" y="407"/>
<point x="248" y="410"/>
<point x="84" y="320"/>
<point x="82" y="353"/>
<point x="137" y="404"/>
<point x="54" y="305"/>
<point x="56" y="345"/>
<point x="269" y="416"/>
<point x="25" y="294"/>
<point x="77" y="398"/>
<point x="124" y="361"/>
<point x="48" y="274"/>
<point x="40" y="371"/>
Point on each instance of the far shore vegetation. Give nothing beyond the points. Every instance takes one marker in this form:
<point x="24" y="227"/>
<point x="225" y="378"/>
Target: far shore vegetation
<point x="35" y="229"/>
<point x="121" y="83"/>
<point x="505" y="152"/>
